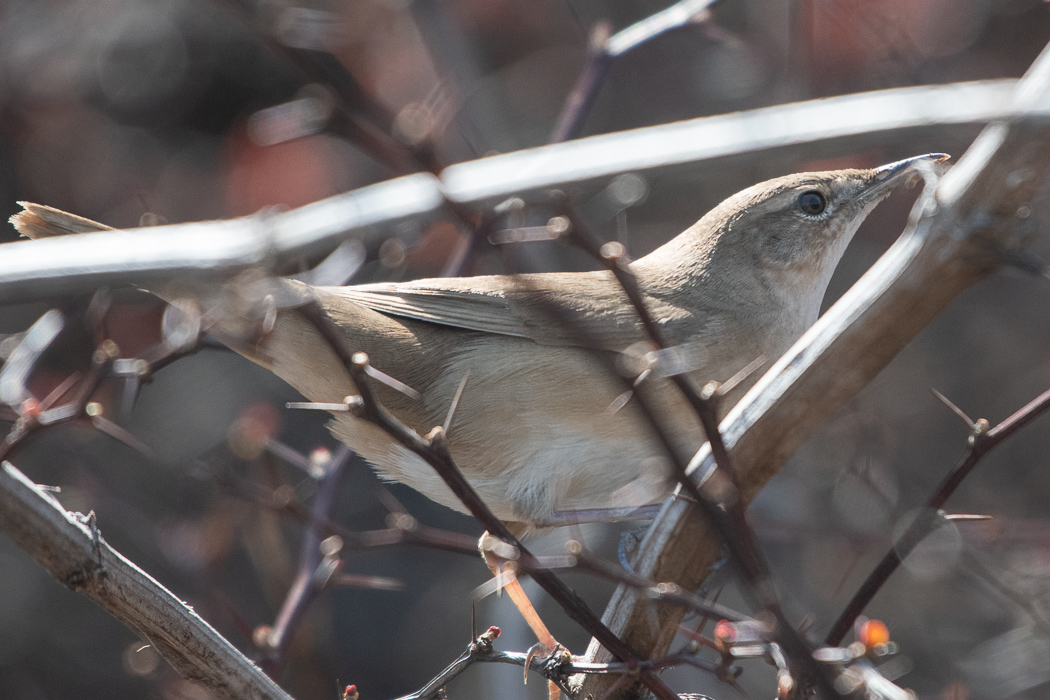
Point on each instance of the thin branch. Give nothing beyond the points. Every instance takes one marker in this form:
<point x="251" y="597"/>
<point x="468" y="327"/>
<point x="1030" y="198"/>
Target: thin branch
<point x="981" y="442"/>
<point x="358" y="117"/>
<point x="987" y="575"/>
<point x="950" y="244"/>
<point x="580" y="560"/>
<point x="308" y="584"/>
<point x="434" y="450"/>
<point x="603" y="47"/>
<point x="726" y="510"/>
<point x="76" y="555"/>
<point x="481" y="650"/>
<point x="220" y="249"/>
<point x="407" y="531"/>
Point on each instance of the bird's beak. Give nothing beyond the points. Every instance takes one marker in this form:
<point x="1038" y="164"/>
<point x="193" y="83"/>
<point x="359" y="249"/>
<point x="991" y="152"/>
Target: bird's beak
<point x="890" y="175"/>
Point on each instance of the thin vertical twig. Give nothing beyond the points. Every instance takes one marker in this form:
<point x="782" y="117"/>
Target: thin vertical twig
<point x="307" y="584"/>
<point x="603" y="47"/>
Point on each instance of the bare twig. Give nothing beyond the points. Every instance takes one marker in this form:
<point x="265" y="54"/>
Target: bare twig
<point x="358" y="117"/>
<point x="434" y="451"/>
<point x="406" y="531"/>
<point x="725" y="510"/>
<point x="951" y="243"/>
<point x="308" y="581"/>
<point x="580" y="560"/>
<point x="480" y="650"/>
<point x="45" y="269"/>
<point x="603" y="47"/>
<point x="81" y="560"/>
<point x="981" y="442"/>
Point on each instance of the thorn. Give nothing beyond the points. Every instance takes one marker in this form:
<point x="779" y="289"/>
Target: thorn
<point x="455" y="402"/>
<point x="286" y="454"/>
<point x="525" y="234"/>
<point x="534" y="651"/>
<point x="59" y="391"/>
<point x="350" y="404"/>
<point x="391" y="503"/>
<point x="132" y="385"/>
<point x="108" y="427"/>
<point x="496" y="584"/>
<point x="734" y="381"/>
<point x="389" y="381"/>
<point x="375" y="583"/>
<point x="316" y="406"/>
<point x="619" y="402"/>
<point x="970" y="423"/>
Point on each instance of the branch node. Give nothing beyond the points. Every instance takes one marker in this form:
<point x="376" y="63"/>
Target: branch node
<point x="355" y="405"/>
<point x="438" y="441"/>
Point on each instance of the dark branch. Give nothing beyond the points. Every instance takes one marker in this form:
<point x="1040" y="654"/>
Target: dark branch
<point x="981" y="442"/>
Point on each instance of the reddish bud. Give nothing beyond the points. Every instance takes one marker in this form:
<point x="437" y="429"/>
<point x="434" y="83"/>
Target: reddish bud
<point x="30" y="408"/>
<point x="873" y="633"/>
<point x="725" y="632"/>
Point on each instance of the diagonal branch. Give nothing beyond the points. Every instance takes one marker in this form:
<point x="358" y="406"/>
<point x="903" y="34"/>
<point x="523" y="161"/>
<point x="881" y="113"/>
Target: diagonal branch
<point x="434" y="450"/>
<point x="981" y="442"/>
<point x="955" y="238"/>
<point x="77" y="556"/>
<point x="603" y="47"/>
<point x="725" y="512"/>
<point x="221" y="249"/>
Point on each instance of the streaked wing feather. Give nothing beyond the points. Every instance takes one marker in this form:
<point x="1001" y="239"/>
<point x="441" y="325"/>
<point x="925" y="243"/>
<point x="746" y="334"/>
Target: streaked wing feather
<point x="579" y="309"/>
<point x="488" y="313"/>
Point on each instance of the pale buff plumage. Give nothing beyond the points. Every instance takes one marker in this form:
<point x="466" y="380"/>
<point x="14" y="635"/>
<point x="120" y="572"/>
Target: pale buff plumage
<point x="533" y="431"/>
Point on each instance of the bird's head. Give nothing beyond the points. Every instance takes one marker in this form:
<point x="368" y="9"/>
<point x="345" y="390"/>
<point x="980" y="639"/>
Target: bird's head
<point x="806" y="218"/>
<point x="783" y="237"/>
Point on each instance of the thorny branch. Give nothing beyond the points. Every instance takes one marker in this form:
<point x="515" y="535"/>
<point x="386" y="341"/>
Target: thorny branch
<point x="604" y="46"/>
<point x="434" y="446"/>
<point x="357" y="116"/>
<point x="481" y="650"/>
<point x="982" y="440"/>
<point x="724" y="510"/>
<point x="317" y="566"/>
<point x="946" y="248"/>
<point x="77" y="556"/>
<point x="434" y="450"/>
<point x="44" y="269"/>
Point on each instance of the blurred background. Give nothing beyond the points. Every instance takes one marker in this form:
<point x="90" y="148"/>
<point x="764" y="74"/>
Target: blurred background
<point x="149" y="111"/>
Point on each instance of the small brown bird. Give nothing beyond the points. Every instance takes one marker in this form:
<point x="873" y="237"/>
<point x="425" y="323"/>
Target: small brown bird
<point x="542" y="428"/>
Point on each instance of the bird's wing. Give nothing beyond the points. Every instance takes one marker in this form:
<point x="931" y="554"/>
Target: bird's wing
<point x="583" y="309"/>
<point x="487" y="311"/>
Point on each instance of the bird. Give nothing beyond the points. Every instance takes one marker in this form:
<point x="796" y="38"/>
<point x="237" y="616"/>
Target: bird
<point x="541" y="427"/>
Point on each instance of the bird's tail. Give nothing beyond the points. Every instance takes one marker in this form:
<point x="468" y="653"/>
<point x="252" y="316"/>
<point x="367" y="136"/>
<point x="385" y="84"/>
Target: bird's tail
<point x="240" y="312"/>
<point x="40" y="221"/>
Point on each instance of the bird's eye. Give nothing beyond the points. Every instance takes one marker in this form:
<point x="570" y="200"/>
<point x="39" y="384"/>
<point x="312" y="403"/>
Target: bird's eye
<point x="812" y="203"/>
